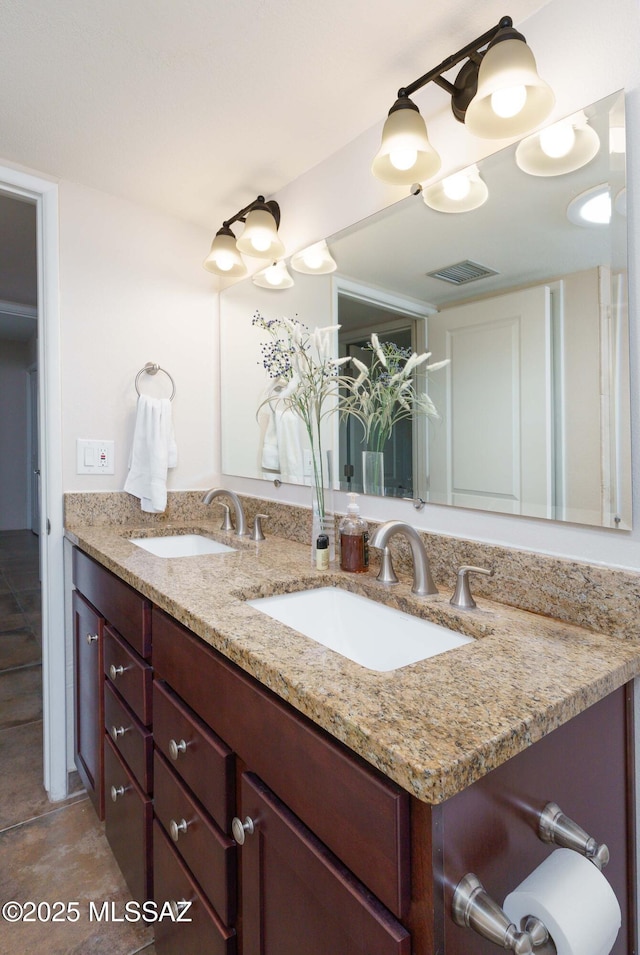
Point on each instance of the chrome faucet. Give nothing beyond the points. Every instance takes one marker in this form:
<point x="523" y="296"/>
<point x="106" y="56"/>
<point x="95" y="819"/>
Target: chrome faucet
<point x="241" y="523"/>
<point x="423" y="584"/>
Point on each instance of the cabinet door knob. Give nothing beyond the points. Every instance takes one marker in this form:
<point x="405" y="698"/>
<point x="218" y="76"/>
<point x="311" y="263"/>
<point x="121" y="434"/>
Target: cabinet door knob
<point x="117" y="731"/>
<point x="177" y="907"/>
<point x="241" y="830"/>
<point x="176" y="748"/>
<point x="92" y="638"/>
<point x="175" y="828"/>
<point x="117" y="791"/>
<point x="115" y="671"/>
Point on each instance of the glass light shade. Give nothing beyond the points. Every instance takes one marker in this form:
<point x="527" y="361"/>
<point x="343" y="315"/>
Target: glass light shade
<point x="405" y="155"/>
<point x="314" y="260"/>
<point x="509" y="65"/>
<point x="532" y="154"/>
<point x="224" y="258"/>
<point x="452" y="195"/>
<point x="591" y="208"/>
<point x="275" y="276"/>
<point x="260" y="236"/>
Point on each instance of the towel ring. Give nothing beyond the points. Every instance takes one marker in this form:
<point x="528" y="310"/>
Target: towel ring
<point x="151" y="368"/>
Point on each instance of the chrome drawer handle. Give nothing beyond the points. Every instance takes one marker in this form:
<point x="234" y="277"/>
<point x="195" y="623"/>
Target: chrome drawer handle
<point x="241" y="830"/>
<point x="176" y="748"/>
<point x="117" y="791"/>
<point x="115" y="671"/>
<point x="92" y="638"/>
<point x="117" y="731"/>
<point x="175" y="828"/>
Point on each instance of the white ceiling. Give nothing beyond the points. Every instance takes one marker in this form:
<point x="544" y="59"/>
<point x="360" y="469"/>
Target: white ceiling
<point x="193" y="107"/>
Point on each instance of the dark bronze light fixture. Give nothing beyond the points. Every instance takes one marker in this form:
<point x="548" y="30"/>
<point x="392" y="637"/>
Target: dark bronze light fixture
<point x="496" y="94"/>
<point x="259" y="239"/>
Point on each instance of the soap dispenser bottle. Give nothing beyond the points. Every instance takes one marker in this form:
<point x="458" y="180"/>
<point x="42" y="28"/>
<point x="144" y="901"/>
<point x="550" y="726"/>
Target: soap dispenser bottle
<point x="354" y="540"/>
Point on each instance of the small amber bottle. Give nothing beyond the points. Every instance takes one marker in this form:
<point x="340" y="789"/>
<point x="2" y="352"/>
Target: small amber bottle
<point x="354" y="540"/>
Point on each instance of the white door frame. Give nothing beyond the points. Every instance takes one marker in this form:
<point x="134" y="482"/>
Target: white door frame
<point x="45" y="195"/>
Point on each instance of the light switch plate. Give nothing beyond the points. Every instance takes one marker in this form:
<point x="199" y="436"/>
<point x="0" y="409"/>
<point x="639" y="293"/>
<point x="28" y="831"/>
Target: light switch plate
<point x="94" y="456"/>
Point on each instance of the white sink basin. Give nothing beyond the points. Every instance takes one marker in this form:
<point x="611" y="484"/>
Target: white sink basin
<point x="369" y="633"/>
<point x="181" y="545"/>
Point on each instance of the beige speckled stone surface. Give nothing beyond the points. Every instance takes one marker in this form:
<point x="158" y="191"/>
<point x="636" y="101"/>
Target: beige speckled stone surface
<point x="435" y="726"/>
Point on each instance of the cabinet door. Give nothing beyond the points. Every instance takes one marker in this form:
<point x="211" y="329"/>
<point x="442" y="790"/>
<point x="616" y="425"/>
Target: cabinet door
<point x="297" y="897"/>
<point x="87" y="638"/>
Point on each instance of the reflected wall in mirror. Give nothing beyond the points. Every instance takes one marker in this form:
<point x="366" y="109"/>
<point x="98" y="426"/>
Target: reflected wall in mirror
<point x="534" y="406"/>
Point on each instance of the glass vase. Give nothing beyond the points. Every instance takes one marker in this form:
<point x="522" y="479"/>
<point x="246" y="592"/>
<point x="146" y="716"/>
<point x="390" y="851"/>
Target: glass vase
<point x="322" y="515"/>
<point x="373" y="472"/>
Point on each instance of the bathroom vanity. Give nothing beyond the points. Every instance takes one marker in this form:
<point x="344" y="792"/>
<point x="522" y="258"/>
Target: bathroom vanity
<point x="300" y="802"/>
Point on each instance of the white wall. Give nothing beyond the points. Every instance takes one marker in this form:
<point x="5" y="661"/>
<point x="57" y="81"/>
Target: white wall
<point x="133" y="290"/>
<point x="585" y="50"/>
<point x="14" y="361"/>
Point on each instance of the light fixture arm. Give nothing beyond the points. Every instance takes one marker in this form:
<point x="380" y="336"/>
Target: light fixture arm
<point x="241" y="216"/>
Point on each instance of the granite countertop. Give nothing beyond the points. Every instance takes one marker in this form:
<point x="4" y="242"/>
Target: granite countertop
<point x="433" y="727"/>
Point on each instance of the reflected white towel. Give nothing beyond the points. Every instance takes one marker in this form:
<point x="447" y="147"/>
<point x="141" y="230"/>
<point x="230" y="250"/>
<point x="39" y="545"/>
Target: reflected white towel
<point x="289" y="429"/>
<point x="153" y="452"/>
<point x="270" y="455"/>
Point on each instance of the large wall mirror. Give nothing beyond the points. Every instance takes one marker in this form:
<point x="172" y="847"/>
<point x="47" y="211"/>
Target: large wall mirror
<point x="528" y="301"/>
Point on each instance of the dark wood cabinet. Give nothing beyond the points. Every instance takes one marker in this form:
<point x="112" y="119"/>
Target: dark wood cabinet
<point x="87" y="638"/>
<point x="297" y="896"/>
<point x="335" y="857"/>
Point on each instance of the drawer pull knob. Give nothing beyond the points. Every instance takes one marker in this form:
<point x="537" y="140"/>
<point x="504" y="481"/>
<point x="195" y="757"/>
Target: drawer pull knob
<point x="117" y="732"/>
<point x="175" y="828"/>
<point x="92" y="638"/>
<point x="115" y="671"/>
<point x="116" y="792"/>
<point x="176" y="748"/>
<point x="177" y="907"/>
<point x="241" y="830"/>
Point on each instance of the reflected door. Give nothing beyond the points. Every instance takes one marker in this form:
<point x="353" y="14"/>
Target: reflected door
<point x="493" y="446"/>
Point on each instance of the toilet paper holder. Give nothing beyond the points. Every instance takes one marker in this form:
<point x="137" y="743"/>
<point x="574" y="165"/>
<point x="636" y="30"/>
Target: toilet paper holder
<point x="472" y="906"/>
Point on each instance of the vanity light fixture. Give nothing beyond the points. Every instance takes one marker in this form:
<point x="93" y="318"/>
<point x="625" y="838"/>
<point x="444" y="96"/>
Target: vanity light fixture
<point x="316" y="259"/>
<point x="275" y="276"/>
<point x="592" y="207"/>
<point x="259" y="239"/>
<point x="496" y="94"/>
<point x="560" y="148"/>
<point x="461" y="192"/>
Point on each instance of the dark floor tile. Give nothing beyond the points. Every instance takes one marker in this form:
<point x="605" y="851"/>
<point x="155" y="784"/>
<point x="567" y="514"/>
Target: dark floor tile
<point x="22" y="794"/>
<point x="33" y="621"/>
<point x="18" y="648"/>
<point x="29" y="601"/>
<point x="64" y="856"/>
<point x="22" y="578"/>
<point x="20" y="697"/>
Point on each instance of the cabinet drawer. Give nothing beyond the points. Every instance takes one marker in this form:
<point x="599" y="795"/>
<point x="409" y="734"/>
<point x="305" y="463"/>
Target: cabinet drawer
<point x="205" y="763"/>
<point x="129" y="674"/>
<point x="208" y="852"/>
<point x="133" y="741"/>
<point x="358" y="813"/>
<point x="173" y="883"/>
<point x="128" y="819"/>
<point x="123" y="607"/>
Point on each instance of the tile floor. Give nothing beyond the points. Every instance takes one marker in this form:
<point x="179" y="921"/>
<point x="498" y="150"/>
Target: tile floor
<point x="49" y="852"/>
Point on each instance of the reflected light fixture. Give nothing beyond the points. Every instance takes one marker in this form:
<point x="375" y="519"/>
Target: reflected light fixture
<point x="496" y="94"/>
<point x="560" y="148"/>
<point x="461" y="192"/>
<point x="275" y="276"/>
<point x="259" y="239"/>
<point x="592" y="207"/>
<point x="316" y="259"/>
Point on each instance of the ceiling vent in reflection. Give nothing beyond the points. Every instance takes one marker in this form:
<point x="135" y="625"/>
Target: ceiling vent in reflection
<point x="462" y="272"/>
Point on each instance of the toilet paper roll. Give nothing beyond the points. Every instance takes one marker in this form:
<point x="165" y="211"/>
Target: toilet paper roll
<point x="573" y="899"/>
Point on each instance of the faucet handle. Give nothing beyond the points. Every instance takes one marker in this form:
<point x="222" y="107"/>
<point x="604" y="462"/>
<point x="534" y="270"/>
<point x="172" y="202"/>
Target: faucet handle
<point x="257" y="533"/>
<point x="462" y="598"/>
<point x="227" y="523"/>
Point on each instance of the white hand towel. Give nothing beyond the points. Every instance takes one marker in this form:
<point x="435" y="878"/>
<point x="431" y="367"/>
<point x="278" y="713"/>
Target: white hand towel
<point x="153" y="452"/>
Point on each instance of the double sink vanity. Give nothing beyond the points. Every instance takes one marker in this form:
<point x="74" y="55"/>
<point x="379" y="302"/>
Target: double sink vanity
<point x="314" y="759"/>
